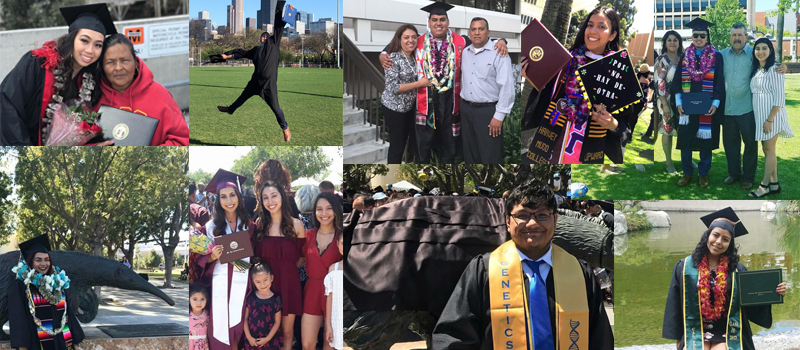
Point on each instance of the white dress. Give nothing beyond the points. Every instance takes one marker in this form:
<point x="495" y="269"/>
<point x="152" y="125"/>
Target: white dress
<point x="768" y="91"/>
<point x="333" y="284"/>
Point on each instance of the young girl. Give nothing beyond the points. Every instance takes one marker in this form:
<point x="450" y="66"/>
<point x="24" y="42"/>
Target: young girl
<point x="333" y="289"/>
<point x="262" y="317"/>
<point x="198" y="317"/>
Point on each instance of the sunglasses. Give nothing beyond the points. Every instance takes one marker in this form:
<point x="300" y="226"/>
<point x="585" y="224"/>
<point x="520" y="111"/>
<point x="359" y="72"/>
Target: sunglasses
<point x="701" y="36"/>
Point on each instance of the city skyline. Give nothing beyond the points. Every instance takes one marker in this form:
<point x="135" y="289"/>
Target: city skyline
<point x="218" y="10"/>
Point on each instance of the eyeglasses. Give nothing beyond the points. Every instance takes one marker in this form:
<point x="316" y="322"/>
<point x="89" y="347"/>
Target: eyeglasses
<point x="701" y="36"/>
<point x="540" y="217"/>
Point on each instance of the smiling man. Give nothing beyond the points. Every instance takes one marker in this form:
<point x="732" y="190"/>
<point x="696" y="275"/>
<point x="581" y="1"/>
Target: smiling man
<point x="527" y="291"/>
<point x="487" y="95"/>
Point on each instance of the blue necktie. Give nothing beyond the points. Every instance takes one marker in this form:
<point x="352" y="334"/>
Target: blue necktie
<point x="539" y="309"/>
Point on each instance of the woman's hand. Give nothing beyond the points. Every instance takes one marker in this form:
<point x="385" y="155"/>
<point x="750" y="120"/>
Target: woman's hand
<point x="524" y="67"/>
<point x="252" y="341"/>
<point x="216" y="252"/>
<point x="767" y="126"/>
<point x="712" y="110"/>
<point x="424" y="82"/>
<point x="605" y="119"/>
<point x="328" y="335"/>
<point x="781" y="289"/>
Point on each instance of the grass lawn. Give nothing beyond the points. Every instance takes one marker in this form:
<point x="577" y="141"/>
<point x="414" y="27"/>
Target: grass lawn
<point x="655" y="183"/>
<point x="638" y="151"/>
<point x="311" y="100"/>
<point x="176" y="274"/>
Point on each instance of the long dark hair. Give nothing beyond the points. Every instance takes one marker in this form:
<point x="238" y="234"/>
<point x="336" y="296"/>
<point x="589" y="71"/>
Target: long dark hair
<point x="220" y="223"/>
<point x="264" y="220"/>
<point x="337" y="210"/>
<point x="702" y="250"/>
<point x="613" y="17"/>
<point x="29" y="261"/>
<point x="115" y="39"/>
<point x="272" y="170"/>
<point x="770" y="59"/>
<point x="395" y="45"/>
<point x="65" y="46"/>
<point x="664" y="42"/>
<point x="196" y="287"/>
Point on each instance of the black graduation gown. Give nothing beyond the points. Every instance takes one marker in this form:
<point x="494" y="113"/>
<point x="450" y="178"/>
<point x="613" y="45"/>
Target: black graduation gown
<point x="21" y="102"/>
<point x="466" y="322"/>
<point x="538" y="103"/>
<point x="21" y="326"/>
<point x="673" y="313"/>
<point x="687" y="133"/>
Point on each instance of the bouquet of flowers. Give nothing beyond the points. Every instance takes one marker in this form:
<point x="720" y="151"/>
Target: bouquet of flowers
<point x="201" y="244"/>
<point x="72" y="126"/>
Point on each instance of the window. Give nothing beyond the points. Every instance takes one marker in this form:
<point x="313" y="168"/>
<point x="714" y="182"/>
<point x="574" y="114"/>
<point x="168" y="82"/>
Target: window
<point x="660" y="23"/>
<point x="668" y="6"/>
<point x="668" y="22"/>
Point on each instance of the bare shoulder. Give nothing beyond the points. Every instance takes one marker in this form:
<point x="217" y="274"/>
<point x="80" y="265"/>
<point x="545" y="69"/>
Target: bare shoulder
<point x="299" y="228"/>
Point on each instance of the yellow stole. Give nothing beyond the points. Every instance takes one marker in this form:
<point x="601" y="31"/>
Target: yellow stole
<point x="508" y="301"/>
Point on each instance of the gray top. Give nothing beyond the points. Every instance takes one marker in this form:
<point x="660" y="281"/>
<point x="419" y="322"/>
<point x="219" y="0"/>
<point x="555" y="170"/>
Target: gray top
<point x="487" y="77"/>
<point x="402" y="72"/>
<point x="738" y="99"/>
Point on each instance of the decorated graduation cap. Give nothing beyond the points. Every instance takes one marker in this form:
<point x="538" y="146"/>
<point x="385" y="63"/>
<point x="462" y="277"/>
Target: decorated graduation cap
<point x="224" y="179"/>
<point x="38" y="244"/>
<point x="610" y="82"/>
<point x="93" y="17"/>
<point x="699" y="24"/>
<point x="726" y="219"/>
<point x="437" y="8"/>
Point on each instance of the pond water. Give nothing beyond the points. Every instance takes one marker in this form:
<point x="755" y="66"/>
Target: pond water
<point x="644" y="262"/>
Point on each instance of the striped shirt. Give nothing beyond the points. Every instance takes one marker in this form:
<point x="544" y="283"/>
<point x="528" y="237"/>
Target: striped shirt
<point x="768" y="92"/>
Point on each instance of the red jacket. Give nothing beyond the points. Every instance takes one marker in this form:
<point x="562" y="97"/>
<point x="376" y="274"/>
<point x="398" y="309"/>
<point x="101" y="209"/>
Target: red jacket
<point x="149" y="98"/>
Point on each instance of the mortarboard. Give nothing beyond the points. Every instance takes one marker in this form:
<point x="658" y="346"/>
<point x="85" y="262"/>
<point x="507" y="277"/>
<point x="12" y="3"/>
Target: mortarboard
<point x="699" y="24"/>
<point x="38" y="244"/>
<point x="93" y="17"/>
<point x="737" y="228"/>
<point x="437" y="8"/>
<point x="223" y="179"/>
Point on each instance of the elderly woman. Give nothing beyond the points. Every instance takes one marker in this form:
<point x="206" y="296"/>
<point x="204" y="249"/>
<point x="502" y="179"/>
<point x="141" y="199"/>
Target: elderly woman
<point x="61" y="72"/>
<point x="128" y="84"/>
<point x="304" y="198"/>
<point x="47" y="297"/>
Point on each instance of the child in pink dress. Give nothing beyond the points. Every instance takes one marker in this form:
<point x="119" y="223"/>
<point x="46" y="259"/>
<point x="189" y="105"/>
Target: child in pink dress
<point x="198" y="317"/>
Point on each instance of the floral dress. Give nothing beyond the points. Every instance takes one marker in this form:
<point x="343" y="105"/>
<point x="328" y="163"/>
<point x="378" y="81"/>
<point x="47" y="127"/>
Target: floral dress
<point x="198" y="327"/>
<point x="260" y="319"/>
<point x="665" y="71"/>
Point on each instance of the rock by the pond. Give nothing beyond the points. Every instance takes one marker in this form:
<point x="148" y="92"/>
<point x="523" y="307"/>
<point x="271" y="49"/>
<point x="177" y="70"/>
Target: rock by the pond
<point x="620" y="223"/>
<point x="659" y="233"/>
<point x="658" y="218"/>
<point x="768" y="206"/>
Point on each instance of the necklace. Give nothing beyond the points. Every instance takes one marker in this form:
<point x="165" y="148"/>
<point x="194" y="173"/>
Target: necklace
<point x="439" y="64"/>
<point x="712" y="312"/>
<point x="51" y="288"/>
<point x="707" y="61"/>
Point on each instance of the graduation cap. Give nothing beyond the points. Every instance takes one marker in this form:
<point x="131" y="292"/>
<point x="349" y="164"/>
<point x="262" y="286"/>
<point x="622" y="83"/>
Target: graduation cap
<point x="93" y="17"/>
<point x="699" y="24"/>
<point x="38" y="244"/>
<point x="224" y="179"/>
<point x="735" y="226"/>
<point x="437" y="8"/>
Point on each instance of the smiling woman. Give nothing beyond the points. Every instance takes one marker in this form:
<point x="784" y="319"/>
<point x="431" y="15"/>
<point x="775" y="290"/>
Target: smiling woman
<point x="128" y="84"/>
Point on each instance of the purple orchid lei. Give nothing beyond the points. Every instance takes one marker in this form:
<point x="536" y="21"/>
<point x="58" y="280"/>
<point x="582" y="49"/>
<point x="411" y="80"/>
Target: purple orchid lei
<point x="707" y="61"/>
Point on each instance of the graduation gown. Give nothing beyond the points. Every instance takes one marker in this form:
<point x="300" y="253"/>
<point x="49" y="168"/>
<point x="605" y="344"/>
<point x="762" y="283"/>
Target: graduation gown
<point x="466" y="322"/>
<point x="673" y="313"/>
<point x="687" y="133"/>
<point x="536" y="108"/>
<point x="266" y="57"/>
<point x="21" y="102"/>
<point x="206" y="273"/>
<point x="23" y="329"/>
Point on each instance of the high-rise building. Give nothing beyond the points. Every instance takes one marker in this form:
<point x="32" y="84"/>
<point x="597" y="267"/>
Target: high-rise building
<point x="324" y="24"/>
<point x="251" y="23"/>
<point x="674" y="14"/>
<point x="300" y="27"/>
<point x="202" y="15"/>
<point x="238" y="6"/>
<point x="530" y="9"/>
<point x="222" y="30"/>
<point x="231" y="20"/>
<point x="267" y="12"/>
<point x="305" y="17"/>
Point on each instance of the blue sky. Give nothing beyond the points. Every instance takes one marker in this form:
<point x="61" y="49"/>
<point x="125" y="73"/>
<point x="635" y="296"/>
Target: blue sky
<point x="764" y="5"/>
<point x="218" y="9"/>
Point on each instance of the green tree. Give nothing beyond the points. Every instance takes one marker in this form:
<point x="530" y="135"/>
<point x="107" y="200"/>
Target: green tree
<point x="574" y="25"/>
<point x="627" y="12"/>
<point x="762" y="30"/>
<point x="179" y="259"/>
<point x="358" y="176"/>
<point x="21" y="14"/>
<point x="300" y="161"/>
<point x="200" y="176"/>
<point x="152" y="260"/>
<point x="724" y="15"/>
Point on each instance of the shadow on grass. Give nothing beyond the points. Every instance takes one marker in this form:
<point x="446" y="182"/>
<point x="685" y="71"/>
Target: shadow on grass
<point x="654" y="183"/>
<point x="195" y="142"/>
<point x="279" y="90"/>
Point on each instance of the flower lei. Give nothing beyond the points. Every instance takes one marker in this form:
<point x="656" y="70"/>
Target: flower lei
<point x="51" y="287"/>
<point x="578" y="110"/>
<point x="439" y="67"/>
<point x="707" y="61"/>
<point x="712" y="312"/>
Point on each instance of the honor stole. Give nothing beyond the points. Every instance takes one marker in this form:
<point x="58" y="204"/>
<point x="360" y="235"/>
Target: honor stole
<point x="693" y="318"/>
<point x="49" y="317"/>
<point x="511" y="324"/>
<point x="704" y="130"/>
<point x="425" y="113"/>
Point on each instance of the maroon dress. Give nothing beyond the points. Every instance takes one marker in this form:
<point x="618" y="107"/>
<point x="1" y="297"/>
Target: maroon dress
<point x="282" y="254"/>
<point x="317" y="264"/>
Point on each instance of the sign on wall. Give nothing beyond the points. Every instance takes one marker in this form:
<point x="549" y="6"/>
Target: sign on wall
<point x="162" y="39"/>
